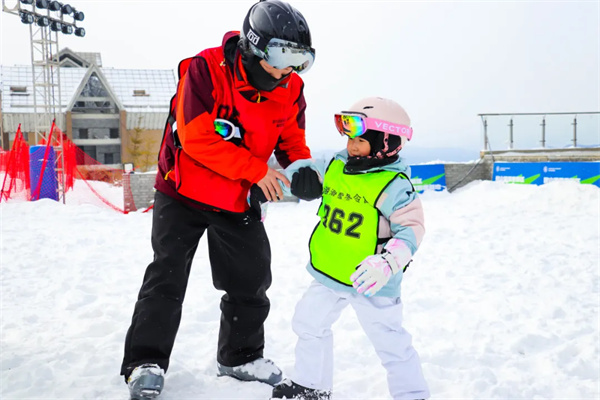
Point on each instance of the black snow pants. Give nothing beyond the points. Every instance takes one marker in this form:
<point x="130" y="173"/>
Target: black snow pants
<point x="240" y="258"/>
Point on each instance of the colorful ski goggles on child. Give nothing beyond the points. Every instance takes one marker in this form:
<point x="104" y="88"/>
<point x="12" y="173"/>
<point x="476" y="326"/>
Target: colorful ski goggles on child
<point x="281" y="54"/>
<point x="226" y="129"/>
<point x="353" y="124"/>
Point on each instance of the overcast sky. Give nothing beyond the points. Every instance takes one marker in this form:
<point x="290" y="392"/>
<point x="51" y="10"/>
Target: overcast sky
<point x="444" y="61"/>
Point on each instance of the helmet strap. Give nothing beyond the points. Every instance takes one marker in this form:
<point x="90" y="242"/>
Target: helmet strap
<point x="385" y="151"/>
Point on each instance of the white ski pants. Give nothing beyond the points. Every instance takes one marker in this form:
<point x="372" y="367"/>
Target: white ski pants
<point x="380" y="318"/>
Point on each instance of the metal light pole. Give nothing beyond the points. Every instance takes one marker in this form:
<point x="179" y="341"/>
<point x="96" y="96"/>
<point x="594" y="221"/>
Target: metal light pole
<point x="543" y="125"/>
<point x="575" y="131"/>
<point x="510" y="134"/>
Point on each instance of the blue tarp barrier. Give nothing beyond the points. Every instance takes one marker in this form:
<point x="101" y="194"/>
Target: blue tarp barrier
<point x="544" y="172"/>
<point x="428" y="177"/>
<point x="49" y="187"/>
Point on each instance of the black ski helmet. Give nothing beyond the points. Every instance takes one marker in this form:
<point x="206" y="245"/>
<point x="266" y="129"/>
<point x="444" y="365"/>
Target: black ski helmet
<point x="269" y="19"/>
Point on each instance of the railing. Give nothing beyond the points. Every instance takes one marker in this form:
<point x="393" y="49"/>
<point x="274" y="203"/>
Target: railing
<point x="543" y="139"/>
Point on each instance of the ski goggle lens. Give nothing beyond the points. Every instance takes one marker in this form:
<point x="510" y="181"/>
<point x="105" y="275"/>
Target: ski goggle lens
<point x="356" y="124"/>
<point x="350" y="125"/>
<point x="282" y="54"/>
<point x="226" y="129"/>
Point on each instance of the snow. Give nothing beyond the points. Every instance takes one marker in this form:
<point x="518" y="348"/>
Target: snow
<point x="105" y="194"/>
<point x="502" y="299"/>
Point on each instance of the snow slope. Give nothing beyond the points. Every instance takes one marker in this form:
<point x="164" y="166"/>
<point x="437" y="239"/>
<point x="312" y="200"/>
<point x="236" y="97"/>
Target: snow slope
<point x="502" y="300"/>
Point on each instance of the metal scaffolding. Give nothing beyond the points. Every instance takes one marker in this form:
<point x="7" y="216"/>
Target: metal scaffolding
<point x="46" y="19"/>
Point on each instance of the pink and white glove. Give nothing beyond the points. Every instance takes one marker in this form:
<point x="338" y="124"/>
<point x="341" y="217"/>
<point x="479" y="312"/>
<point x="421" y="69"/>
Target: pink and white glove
<point x="373" y="273"/>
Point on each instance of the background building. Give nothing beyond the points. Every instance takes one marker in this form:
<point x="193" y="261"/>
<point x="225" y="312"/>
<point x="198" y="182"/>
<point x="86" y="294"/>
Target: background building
<point x="114" y="115"/>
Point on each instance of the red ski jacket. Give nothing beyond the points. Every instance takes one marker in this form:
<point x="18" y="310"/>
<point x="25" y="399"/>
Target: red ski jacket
<point x="196" y="163"/>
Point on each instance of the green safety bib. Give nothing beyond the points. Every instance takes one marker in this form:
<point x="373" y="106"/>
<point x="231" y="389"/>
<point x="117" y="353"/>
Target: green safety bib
<point x="347" y="232"/>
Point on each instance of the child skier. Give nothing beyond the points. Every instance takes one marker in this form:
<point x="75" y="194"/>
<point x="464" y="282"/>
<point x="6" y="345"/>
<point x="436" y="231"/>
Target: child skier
<point x="371" y="225"/>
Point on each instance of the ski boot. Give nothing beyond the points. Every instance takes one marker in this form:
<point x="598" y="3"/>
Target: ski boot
<point x="146" y="382"/>
<point x="260" y="370"/>
<point x="288" y="389"/>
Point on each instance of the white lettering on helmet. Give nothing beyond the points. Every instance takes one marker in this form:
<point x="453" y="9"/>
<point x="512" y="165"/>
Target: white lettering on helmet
<point x="385" y="127"/>
<point x="252" y="37"/>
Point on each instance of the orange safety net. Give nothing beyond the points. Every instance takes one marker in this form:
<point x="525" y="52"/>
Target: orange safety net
<point x="14" y="170"/>
<point x="84" y="180"/>
<point x="94" y="182"/>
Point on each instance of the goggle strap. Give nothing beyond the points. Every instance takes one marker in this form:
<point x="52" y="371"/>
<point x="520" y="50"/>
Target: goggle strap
<point x="389" y="127"/>
<point x="253" y="38"/>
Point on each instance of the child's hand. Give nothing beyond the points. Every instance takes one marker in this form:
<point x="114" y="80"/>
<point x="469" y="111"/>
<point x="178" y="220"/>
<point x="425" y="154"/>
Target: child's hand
<point x="306" y="184"/>
<point x="373" y="273"/>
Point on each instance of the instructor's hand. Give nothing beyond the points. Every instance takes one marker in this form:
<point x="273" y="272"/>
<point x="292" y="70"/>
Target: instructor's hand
<point x="270" y="186"/>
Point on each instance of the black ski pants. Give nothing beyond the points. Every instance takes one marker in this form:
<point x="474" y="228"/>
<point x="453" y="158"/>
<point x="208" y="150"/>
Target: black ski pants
<point x="240" y="259"/>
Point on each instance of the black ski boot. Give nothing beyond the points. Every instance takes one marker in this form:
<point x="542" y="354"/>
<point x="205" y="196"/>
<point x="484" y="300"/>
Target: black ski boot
<point x="260" y="370"/>
<point x="146" y="382"/>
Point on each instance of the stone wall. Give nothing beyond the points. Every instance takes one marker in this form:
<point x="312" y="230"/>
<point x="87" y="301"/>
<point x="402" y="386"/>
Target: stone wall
<point x="142" y="188"/>
<point x="460" y="174"/>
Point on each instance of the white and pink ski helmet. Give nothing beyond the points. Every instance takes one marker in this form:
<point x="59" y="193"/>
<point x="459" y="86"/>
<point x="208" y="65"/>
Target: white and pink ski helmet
<point x="383" y="145"/>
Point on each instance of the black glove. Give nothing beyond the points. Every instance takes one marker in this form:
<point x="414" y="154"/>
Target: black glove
<point x="256" y="199"/>
<point x="306" y="184"/>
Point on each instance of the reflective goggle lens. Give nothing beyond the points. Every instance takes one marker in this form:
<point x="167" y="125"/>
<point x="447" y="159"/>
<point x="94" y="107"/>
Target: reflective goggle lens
<point x="224" y="128"/>
<point x="282" y="54"/>
<point x="350" y="125"/>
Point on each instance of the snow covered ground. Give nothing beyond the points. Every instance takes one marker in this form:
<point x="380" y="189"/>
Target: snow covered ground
<point x="502" y="300"/>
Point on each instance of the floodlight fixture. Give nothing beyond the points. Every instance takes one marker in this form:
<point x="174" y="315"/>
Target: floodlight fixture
<point x="66" y="9"/>
<point x="55" y="26"/>
<point x="55" y="23"/>
<point x="54" y="6"/>
<point x="27" y="18"/>
<point x="43" y="21"/>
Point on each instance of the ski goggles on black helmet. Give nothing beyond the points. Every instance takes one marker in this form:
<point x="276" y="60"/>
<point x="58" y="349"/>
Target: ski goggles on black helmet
<point x="281" y="54"/>
<point x="353" y="124"/>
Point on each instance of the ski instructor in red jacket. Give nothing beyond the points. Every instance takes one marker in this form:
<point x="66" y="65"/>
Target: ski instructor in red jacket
<point x="235" y="105"/>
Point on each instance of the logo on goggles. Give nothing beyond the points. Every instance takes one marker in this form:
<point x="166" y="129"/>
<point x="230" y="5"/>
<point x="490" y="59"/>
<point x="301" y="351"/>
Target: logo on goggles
<point x="400" y="130"/>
